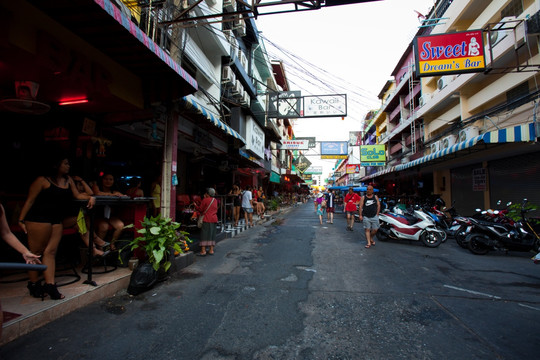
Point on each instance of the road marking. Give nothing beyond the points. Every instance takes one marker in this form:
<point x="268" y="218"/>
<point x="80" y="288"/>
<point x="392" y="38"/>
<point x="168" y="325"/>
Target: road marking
<point x="529" y="307"/>
<point x="472" y="292"/>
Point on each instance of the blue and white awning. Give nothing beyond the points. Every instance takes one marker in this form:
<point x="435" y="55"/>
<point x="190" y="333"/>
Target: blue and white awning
<point x="514" y="134"/>
<point x="191" y="103"/>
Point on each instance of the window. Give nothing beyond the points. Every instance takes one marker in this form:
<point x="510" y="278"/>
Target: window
<point x="514" y="8"/>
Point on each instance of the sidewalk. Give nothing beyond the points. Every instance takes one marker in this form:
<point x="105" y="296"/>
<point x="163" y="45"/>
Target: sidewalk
<point x="23" y="313"/>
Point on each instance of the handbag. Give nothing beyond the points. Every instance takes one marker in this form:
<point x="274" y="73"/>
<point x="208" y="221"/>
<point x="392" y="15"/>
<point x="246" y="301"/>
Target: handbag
<point x="200" y="219"/>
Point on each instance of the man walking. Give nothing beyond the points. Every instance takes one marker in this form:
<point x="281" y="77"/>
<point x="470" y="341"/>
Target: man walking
<point x="370" y="207"/>
<point x="351" y="200"/>
<point x="330" y="197"/>
<point x="247" y="205"/>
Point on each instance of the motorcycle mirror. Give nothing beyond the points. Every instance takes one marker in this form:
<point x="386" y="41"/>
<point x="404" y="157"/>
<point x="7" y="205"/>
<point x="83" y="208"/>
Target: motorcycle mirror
<point x="478" y="210"/>
<point x="499" y="202"/>
<point x="508" y="203"/>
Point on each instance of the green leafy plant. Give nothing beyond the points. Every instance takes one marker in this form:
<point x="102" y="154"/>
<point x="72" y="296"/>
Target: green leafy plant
<point x="514" y="211"/>
<point x="273" y="204"/>
<point x="160" y="238"/>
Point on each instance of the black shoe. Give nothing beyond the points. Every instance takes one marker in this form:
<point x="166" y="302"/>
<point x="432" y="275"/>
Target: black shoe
<point x="36" y="289"/>
<point x="52" y="290"/>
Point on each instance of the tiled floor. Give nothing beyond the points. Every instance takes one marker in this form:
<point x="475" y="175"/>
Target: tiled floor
<point x="34" y="313"/>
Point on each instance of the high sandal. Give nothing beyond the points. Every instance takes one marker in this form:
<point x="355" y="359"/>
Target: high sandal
<point x="52" y="290"/>
<point x="36" y="289"/>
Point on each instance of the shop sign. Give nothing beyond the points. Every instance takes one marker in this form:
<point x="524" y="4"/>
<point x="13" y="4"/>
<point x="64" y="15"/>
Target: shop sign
<point x="453" y="53"/>
<point x="285" y="104"/>
<point x="302" y="163"/>
<point x="325" y="105"/>
<point x="294" y="144"/>
<point x="254" y="137"/>
<point x="479" y="179"/>
<point x="353" y="169"/>
<point x="316" y="170"/>
<point x="312" y="141"/>
<point x="307" y="177"/>
<point x="334" y="150"/>
<point x="373" y="155"/>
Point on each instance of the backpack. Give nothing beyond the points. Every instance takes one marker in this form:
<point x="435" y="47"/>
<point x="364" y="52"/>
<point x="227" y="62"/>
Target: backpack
<point x="323" y="203"/>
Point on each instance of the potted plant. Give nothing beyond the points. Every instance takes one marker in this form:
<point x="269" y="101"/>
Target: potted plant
<point x="160" y="238"/>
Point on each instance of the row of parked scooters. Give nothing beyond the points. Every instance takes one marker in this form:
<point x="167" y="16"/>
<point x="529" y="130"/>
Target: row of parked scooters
<point x="485" y="231"/>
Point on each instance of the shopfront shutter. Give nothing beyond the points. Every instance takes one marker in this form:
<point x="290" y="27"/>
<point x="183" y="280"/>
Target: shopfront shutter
<point x="514" y="179"/>
<point x="466" y="200"/>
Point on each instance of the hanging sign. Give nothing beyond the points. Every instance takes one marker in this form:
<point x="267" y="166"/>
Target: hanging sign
<point x="453" y="53"/>
<point x="373" y="155"/>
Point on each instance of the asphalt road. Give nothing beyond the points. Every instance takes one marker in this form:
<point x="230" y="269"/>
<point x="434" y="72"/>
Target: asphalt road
<point x="295" y="289"/>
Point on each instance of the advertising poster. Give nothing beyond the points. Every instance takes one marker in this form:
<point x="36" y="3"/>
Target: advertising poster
<point x="334" y="150"/>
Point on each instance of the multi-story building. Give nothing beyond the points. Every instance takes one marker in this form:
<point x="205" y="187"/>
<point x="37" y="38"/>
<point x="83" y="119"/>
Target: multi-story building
<point x="477" y="135"/>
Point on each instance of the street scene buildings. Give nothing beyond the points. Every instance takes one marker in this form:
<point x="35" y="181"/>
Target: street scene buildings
<point x="173" y="97"/>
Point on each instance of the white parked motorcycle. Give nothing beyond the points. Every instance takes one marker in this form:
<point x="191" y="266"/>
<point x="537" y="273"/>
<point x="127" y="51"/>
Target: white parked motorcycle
<point x="421" y="227"/>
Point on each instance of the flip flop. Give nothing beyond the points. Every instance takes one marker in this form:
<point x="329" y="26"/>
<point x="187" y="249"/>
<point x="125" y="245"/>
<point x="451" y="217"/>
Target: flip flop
<point x="373" y="244"/>
<point x="367" y="246"/>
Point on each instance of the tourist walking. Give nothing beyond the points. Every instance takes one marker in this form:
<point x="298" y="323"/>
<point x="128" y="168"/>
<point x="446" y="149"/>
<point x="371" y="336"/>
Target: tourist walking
<point x="321" y="206"/>
<point x="208" y="207"/>
<point x="330" y="202"/>
<point x="369" y="209"/>
<point x="247" y="205"/>
<point x="351" y="200"/>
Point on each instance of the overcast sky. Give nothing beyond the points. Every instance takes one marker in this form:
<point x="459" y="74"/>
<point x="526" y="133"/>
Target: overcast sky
<point x="349" y="49"/>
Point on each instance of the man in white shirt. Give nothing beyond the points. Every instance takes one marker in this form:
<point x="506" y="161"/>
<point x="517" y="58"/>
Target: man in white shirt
<point x="247" y="205"/>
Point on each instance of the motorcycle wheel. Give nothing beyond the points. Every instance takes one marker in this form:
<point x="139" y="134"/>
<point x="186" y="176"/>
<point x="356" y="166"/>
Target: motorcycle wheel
<point x="381" y="235"/>
<point x="443" y="233"/>
<point x="461" y="237"/>
<point x="431" y="239"/>
<point x="476" y="246"/>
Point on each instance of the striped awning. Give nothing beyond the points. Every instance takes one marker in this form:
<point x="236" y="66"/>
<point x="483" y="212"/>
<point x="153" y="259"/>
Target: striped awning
<point x="387" y="170"/>
<point x="191" y="103"/>
<point x="514" y="134"/>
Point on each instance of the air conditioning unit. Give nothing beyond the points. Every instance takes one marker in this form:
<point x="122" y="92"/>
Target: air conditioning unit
<point x="448" y="141"/>
<point x="240" y="26"/>
<point x="501" y="30"/>
<point x="229" y="5"/>
<point x="436" y="146"/>
<point x="424" y="99"/>
<point x="237" y="88"/>
<point x="243" y="59"/>
<point x="442" y="82"/>
<point x="247" y="99"/>
<point x="228" y="33"/>
<point x="227" y="77"/>
<point x="468" y="133"/>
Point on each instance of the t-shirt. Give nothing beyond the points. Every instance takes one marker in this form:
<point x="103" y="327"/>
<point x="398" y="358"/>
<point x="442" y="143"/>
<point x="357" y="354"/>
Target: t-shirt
<point x="350" y="201"/>
<point x="246" y="199"/>
<point x="370" y="207"/>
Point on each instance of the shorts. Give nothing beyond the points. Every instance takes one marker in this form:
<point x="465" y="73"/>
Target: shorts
<point x="350" y="213"/>
<point x="248" y="210"/>
<point x="330" y="209"/>
<point x="371" y="222"/>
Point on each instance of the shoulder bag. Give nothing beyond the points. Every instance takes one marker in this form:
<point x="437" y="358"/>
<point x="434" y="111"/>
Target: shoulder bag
<point x="200" y="219"/>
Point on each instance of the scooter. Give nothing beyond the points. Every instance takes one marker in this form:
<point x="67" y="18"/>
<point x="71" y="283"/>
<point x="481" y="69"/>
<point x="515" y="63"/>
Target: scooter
<point x="519" y="236"/>
<point x="422" y="228"/>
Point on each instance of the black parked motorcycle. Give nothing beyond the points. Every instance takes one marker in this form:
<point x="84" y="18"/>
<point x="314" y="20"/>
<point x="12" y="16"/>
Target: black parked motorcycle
<point x="519" y="236"/>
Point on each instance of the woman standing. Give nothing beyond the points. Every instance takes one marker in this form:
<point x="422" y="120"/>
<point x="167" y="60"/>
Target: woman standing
<point x="236" y="193"/>
<point x="208" y="207"/>
<point x="321" y="206"/>
<point x="41" y="218"/>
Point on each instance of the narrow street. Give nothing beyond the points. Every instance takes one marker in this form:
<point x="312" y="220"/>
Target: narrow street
<point x="294" y="289"/>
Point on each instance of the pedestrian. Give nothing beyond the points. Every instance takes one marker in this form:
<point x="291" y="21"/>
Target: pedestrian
<point x="321" y="206"/>
<point x="49" y="198"/>
<point x="208" y="207"/>
<point x="352" y="199"/>
<point x="330" y="199"/>
<point x="236" y="193"/>
<point x="247" y="205"/>
<point x="369" y="209"/>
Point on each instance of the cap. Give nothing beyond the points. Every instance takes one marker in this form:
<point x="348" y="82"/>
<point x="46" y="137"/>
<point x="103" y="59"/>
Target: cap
<point x="211" y="191"/>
